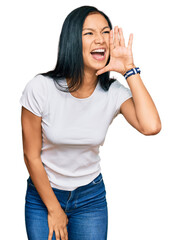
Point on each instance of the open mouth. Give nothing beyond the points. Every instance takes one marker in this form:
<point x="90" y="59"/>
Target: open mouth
<point x="99" y="54"/>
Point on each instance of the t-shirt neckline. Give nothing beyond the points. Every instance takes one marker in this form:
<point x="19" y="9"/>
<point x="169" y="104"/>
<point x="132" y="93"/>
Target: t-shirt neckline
<point x="83" y="99"/>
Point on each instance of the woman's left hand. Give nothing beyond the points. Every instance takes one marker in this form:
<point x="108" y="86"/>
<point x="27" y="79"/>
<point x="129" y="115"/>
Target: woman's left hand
<point x="121" y="57"/>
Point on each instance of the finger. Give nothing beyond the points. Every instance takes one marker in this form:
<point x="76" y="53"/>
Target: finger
<point x="116" y="38"/>
<point x="57" y="235"/>
<point x="50" y="234"/>
<point x="103" y="70"/>
<point x="130" y="42"/>
<point x="62" y="235"/>
<point x="122" y="42"/>
<point x="66" y="233"/>
<point x="111" y="42"/>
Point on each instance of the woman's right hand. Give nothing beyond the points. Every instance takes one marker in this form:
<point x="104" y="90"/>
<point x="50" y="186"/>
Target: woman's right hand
<point x="32" y="145"/>
<point x="57" y="222"/>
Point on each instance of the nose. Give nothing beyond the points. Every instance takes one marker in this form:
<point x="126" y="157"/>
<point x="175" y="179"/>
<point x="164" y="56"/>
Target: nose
<point x="99" y="39"/>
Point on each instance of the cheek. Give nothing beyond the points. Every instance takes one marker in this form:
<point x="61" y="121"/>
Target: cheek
<point x="84" y="50"/>
<point x="86" y="44"/>
<point x="107" y="41"/>
<point x="85" y="55"/>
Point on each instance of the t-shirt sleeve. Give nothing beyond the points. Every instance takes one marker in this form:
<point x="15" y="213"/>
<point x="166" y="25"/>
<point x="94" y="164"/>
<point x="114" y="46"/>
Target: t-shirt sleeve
<point x="34" y="95"/>
<point x="121" y="94"/>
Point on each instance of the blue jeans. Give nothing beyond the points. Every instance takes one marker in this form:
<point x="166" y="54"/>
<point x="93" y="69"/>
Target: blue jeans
<point x="85" y="207"/>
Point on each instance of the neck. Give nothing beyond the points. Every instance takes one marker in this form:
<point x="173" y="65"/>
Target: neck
<point x="89" y="81"/>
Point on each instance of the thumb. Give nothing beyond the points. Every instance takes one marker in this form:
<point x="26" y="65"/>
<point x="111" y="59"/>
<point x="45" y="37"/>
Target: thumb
<point x="103" y="70"/>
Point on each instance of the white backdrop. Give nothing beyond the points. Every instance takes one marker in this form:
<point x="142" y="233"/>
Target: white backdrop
<point x="141" y="173"/>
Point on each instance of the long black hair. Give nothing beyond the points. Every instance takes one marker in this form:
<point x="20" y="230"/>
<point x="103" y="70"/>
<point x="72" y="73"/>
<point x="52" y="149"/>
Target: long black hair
<point x="70" y="60"/>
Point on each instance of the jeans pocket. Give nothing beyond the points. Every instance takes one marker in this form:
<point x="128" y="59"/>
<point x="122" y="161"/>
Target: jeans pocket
<point x="98" y="179"/>
<point x="32" y="198"/>
<point x="30" y="183"/>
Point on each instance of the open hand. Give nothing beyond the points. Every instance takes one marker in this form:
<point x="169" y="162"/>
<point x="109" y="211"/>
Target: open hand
<point x="121" y="57"/>
<point x="57" y="222"/>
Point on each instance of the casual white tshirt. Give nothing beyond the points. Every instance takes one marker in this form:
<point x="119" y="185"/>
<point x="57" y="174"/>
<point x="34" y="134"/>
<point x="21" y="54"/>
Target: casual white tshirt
<point x="72" y="128"/>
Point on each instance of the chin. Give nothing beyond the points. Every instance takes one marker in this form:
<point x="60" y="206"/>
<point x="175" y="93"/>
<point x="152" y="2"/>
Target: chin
<point x="100" y="67"/>
<point x="95" y="66"/>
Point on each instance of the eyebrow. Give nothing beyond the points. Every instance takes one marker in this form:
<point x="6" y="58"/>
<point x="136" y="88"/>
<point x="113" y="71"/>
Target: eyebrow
<point x="94" y="29"/>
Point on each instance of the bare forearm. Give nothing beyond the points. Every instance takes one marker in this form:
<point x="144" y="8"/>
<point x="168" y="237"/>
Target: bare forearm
<point x="41" y="182"/>
<point x="145" y="108"/>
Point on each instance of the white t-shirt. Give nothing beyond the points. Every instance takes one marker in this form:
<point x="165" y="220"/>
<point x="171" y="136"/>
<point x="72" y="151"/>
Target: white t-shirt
<point x="72" y="128"/>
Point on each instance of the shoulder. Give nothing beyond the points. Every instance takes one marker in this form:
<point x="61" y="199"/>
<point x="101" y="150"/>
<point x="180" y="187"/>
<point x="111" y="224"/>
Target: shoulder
<point x="120" y="93"/>
<point x="116" y="88"/>
<point x="38" y="81"/>
<point x="39" y="85"/>
<point x="35" y="95"/>
<point x="116" y="85"/>
<point x="37" y="88"/>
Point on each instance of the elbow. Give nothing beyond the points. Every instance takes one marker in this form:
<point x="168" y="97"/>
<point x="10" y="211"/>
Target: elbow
<point x="28" y="159"/>
<point x="153" y="130"/>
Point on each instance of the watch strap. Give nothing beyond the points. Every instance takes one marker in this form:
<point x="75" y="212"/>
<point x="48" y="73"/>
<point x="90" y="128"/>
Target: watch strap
<point x="132" y="72"/>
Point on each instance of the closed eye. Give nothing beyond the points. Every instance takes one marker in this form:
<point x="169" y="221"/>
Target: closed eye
<point x="88" y="33"/>
<point x="106" y="32"/>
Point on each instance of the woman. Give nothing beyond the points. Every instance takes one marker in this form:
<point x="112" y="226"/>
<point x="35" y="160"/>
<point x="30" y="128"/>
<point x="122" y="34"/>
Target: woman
<point x="66" y="113"/>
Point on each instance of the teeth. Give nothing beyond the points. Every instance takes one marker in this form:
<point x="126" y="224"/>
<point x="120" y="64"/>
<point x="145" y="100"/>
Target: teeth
<point x="99" y="50"/>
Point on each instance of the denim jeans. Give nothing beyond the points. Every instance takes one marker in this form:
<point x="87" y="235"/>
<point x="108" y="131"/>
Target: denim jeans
<point x="85" y="207"/>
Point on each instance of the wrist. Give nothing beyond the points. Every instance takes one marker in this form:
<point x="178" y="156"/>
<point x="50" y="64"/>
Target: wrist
<point x="54" y="207"/>
<point x="128" y="68"/>
<point x="131" y="72"/>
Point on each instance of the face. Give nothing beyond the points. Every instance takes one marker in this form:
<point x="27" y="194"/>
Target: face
<point x="95" y="42"/>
